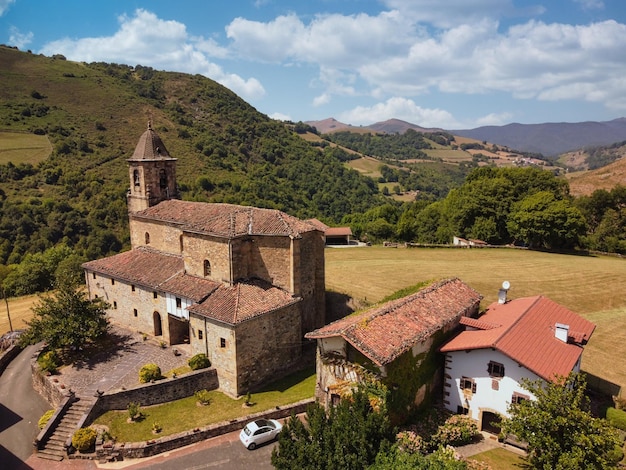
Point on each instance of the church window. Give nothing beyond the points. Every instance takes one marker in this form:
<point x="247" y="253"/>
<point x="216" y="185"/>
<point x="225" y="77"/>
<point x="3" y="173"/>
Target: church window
<point x="155" y="295"/>
<point x="136" y="177"/>
<point x="199" y="334"/>
<point x="222" y="342"/>
<point x="162" y="179"/>
<point x="112" y="281"/>
<point x="134" y="312"/>
<point x="94" y="275"/>
<point x="115" y="305"/>
<point x="180" y="242"/>
<point x="147" y="236"/>
<point x="179" y="303"/>
<point x="132" y="287"/>
<point x="207" y="268"/>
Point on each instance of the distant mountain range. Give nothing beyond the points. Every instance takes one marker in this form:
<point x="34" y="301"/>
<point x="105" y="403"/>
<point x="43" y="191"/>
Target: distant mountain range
<point x="549" y="139"/>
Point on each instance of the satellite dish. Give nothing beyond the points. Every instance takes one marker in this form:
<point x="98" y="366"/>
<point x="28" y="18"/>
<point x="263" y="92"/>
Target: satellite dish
<point x="506" y="285"/>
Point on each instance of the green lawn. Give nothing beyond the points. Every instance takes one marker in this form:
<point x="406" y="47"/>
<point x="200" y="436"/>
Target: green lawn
<point x="20" y="147"/>
<point x="185" y="414"/>
<point x="501" y="459"/>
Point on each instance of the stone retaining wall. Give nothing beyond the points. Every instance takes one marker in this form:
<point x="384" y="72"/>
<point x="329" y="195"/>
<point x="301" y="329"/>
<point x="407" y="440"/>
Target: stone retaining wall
<point x="8" y="356"/>
<point x="162" y="391"/>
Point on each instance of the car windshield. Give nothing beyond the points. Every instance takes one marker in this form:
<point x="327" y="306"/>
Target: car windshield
<point x="246" y="429"/>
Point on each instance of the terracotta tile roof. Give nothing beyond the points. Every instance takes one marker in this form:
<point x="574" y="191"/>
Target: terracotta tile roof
<point x="387" y="331"/>
<point x="478" y="324"/>
<point x="243" y="301"/>
<point x="526" y="335"/>
<point x="190" y="287"/>
<point x="225" y="220"/>
<point x="321" y="226"/>
<point x="150" y="147"/>
<point x="141" y="266"/>
<point x="338" y="231"/>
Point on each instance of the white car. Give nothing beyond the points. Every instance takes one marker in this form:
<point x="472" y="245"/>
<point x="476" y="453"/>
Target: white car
<point x="259" y="432"/>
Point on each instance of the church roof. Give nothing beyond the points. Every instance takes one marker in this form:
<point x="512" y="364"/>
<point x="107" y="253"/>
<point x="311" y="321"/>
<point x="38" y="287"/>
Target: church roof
<point x="225" y="220"/>
<point x="385" y="332"/>
<point x="243" y="301"/>
<point x="150" y="147"/>
<point x="142" y="266"/>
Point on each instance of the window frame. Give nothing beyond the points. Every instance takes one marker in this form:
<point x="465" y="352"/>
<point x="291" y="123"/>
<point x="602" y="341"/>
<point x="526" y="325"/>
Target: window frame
<point x="495" y="369"/>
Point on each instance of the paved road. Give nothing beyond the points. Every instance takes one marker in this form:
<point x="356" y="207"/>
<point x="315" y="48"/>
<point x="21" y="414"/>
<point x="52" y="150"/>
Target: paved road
<point x="20" y="410"/>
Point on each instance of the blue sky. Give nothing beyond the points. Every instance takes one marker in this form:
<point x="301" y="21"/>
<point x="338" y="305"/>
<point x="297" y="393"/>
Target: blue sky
<point x="452" y="64"/>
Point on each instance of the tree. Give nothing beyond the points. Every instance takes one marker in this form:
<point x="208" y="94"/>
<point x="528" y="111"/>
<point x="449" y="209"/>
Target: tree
<point x="560" y="431"/>
<point x="542" y="220"/>
<point x="67" y="320"/>
<point x="349" y="436"/>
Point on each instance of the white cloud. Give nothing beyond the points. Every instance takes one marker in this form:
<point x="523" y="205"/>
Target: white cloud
<point x="493" y="119"/>
<point x="590" y="4"/>
<point x="4" y="5"/>
<point x="145" y="39"/>
<point x="18" y="39"/>
<point x="399" y="108"/>
<point x="280" y="117"/>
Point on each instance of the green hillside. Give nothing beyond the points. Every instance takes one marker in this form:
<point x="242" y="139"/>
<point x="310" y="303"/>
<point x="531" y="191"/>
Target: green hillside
<point x="93" y="114"/>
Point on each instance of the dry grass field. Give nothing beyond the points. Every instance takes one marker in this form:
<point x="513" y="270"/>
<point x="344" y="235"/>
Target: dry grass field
<point x="591" y="286"/>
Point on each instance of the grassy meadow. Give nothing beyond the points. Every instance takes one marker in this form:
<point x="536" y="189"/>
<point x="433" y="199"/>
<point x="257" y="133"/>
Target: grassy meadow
<point x="17" y="147"/>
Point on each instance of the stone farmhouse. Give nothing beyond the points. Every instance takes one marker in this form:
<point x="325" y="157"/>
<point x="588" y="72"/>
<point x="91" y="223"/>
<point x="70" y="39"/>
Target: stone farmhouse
<point x="394" y="344"/>
<point x="528" y="338"/>
<point x="240" y="284"/>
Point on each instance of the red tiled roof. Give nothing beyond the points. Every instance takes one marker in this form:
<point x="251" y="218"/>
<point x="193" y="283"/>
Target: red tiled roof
<point x="338" y="231"/>
<point x="190" y="287"/>
<point x="387" y="331"/>
<point x="526" y="335"/>
<point x="479" y="324"/>
<point x="243" y="301"/>
<point x="225" y="220"/>
<point x="321" y="226"/>
<point x="142" y="266"/>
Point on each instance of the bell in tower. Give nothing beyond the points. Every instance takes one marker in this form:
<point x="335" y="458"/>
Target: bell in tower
<point x="152" y="173"/>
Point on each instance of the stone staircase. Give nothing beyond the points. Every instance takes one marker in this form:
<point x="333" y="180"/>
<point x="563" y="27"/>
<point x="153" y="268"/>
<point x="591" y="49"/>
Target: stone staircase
<point x="54" y="447"/>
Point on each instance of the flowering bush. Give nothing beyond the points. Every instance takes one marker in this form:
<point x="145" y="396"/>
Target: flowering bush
<point x="457" y="430"/>
<point x="410" y="442"/>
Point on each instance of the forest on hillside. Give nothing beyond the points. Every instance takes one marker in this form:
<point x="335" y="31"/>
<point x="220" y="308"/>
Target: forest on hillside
<point x="72" y="205"/>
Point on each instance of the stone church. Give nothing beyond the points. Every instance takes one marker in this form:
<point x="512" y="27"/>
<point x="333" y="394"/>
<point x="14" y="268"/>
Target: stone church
<point x="240" y="284"/>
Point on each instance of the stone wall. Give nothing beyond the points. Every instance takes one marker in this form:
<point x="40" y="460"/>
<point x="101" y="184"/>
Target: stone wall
<point x="49" y="387"/>
<point x="162" y="391"/>
<point x="7" y="356"/>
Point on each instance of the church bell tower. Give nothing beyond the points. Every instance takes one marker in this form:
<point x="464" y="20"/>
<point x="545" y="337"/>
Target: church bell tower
<point x="152" y="173"/>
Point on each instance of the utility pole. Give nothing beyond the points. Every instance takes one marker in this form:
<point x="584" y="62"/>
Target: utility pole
<point x="6" y="301"/>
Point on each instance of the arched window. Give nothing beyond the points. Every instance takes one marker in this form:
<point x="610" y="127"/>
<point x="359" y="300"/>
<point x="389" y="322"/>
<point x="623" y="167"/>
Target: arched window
<point x="207" y="268"/>
<point x="147" y="238"/>
<point x="136" y="177"/>
<point x="162" y="179"/>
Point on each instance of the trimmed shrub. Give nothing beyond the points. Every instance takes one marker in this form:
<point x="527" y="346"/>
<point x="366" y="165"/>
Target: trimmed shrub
<point x="149" y="372"/>
<point x="199" y="361"/>
<point x="45" y="418"/>
<point x="203" y="396"/>
<point x="134" y="411"/>
<point x="84" y="439"/>
<point x="617" y="418"/>
<point x="49" y="362"/>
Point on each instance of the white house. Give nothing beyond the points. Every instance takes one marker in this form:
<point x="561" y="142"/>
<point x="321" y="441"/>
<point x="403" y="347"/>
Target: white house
<point x="532" y="338"/>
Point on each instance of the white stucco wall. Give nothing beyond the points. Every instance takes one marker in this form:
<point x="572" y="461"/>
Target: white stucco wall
<point x="473" y="364"/>
<point x="178" y="312"/>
